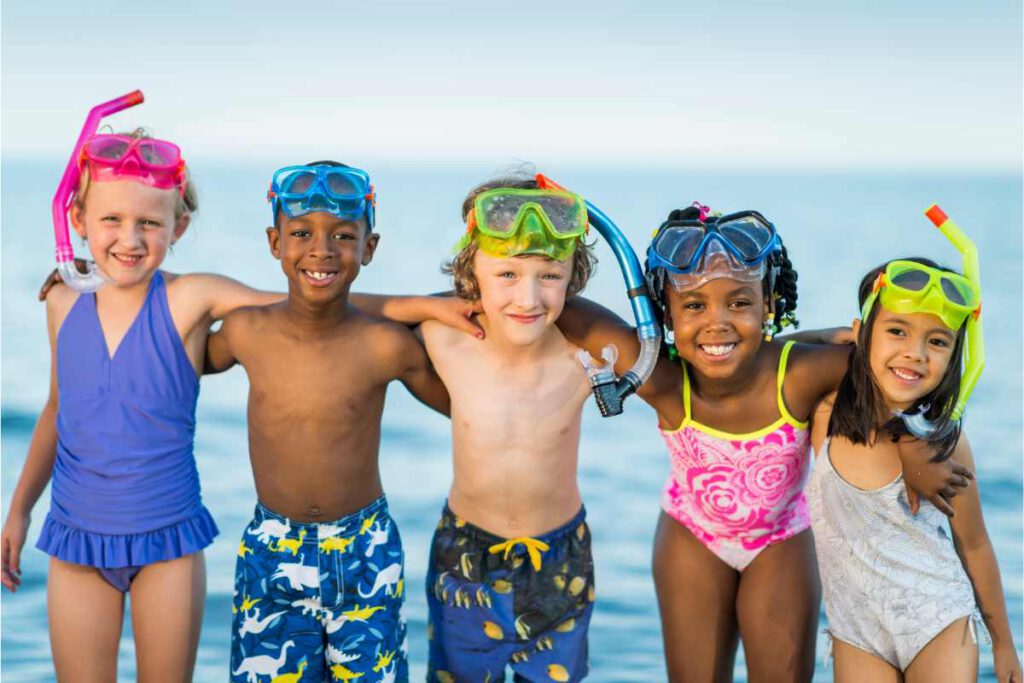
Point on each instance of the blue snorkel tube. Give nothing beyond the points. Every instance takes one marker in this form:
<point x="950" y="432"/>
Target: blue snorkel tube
<point x="610" y="391"/>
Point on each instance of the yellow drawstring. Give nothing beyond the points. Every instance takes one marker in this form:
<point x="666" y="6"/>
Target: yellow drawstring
<point x="532" y="545"/>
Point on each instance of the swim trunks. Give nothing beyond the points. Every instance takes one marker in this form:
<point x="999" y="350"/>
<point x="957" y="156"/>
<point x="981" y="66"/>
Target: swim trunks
<point x="891" y="580"/>
<point x="739" y="493"/>
<point x="323" y="601"/>
<point x="496" y="602"/>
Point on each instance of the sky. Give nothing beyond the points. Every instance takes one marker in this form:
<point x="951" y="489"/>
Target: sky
<point x="803" y="83"/>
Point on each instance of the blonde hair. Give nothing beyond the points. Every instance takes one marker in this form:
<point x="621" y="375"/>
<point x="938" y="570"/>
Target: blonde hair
<point x="461" y="266"/>
<point x="185" y="202"/>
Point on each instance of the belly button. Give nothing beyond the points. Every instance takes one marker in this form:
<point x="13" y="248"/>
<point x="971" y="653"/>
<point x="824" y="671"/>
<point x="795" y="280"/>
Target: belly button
<point x="314" y="511"/>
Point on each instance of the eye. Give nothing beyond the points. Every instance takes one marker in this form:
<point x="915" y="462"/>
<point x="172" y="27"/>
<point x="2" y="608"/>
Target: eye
<point x="939" y="342"/>
<point x="552" y="276"/>
<point x="109" y="219"/>
<point x="693" y="306"/>
<point x="299" y="233"/>
<point x="896" y="331"/>
<point x="150" y="223"/>
<point x="740" y="303"/>
<point x="344" y="236"/>
<point x="507" y="275"/>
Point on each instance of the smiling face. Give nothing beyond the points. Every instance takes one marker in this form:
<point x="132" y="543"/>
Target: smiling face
<point x="128" y="227"/>
<point x="909" y="354"/>
<point x="718" y="326"/>
<point x="521" y="296"/>
<point x="320" y="253"/>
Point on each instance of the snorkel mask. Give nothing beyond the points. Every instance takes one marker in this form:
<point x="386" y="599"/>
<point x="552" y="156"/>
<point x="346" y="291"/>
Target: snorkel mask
<point x="505" y="222"/>
<point x="107" y="160"/>
<point x="909" y="287"/>
<point x="342" y="191"/>
<point x="149" y="161"/>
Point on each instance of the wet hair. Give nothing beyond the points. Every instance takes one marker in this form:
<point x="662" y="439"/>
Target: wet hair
<point x="779" y="282"/>
<point x="859" y="405"/>
<point x="185" y="202"/>
<point x="461" y="266"/>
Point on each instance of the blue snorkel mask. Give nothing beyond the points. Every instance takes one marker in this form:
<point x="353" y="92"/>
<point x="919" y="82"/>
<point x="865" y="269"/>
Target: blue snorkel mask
<point x="342" y="191"/>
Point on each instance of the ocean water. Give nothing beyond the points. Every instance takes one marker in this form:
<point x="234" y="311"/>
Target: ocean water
<point x="836" y="225"/>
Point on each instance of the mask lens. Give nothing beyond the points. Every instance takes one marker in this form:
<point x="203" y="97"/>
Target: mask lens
<point x="498" y="211"/>
<point x="956" y="292"/>
<point x="911" y="279"/>
<point x="158" y="153"/>
<point x="345" y="185"/>
<point x="109" y="147"/>
<point x="296" y="182"/>
<point x="564" y="213"/>
<point x="748" y="237"/>
<point x="677" y="245"/>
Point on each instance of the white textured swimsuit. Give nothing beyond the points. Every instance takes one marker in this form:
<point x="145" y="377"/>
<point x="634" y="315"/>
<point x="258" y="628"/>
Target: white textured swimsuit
<point x="891" y="581"/>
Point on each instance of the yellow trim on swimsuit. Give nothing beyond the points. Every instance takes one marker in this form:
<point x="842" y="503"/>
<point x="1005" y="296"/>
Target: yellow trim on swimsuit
<point x="533" y="547"/>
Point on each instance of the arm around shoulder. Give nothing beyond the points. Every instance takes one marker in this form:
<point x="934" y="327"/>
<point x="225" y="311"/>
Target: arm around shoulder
<point x="221" y="295"/>
<point x="219" y="352"/>
<point x="415" y="370"/>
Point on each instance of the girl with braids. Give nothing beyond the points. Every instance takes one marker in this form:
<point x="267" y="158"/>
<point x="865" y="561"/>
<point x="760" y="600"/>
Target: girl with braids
<point x="733" y="555"/>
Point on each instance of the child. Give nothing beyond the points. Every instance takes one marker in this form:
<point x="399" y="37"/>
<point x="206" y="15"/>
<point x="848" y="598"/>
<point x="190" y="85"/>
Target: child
<point x="318" y="585"/>
<point x="900" y="603"/>
<point x="117" y="430"/>
<point x="511" y="578"/>
<point x="733" y="556"/>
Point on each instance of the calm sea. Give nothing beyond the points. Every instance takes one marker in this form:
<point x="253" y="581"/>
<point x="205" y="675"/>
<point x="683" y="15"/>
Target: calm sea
<point x="836" y="225"/>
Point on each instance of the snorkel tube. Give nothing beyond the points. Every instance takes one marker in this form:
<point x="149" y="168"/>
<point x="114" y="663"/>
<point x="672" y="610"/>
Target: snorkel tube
<point x="610" y="391"/>
<point x="974" y="349"/>
<point x="93" y="279"/>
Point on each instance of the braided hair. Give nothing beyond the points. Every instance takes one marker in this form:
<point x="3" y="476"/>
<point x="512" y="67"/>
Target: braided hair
<point x="780" y="280"/>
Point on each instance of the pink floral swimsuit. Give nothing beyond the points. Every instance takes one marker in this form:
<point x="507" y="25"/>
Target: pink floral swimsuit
<point x="739" y="493"/>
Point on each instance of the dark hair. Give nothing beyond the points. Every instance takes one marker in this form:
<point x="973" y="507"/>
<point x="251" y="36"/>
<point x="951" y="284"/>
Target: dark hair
<point x="779" y="282"/>
<point x="859" y="405"/>
<point x="461" y="266"/>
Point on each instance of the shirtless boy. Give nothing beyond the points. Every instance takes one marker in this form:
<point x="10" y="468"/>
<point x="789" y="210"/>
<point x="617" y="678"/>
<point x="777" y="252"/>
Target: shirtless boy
<point x="319" y="584"/>
<point x="511" y="579"/>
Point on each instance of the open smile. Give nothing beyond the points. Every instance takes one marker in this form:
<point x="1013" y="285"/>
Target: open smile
<point x="127" y="259"/>
<point x="906" y="375"/>
<point x="717" y="353"/>
<point x="319" y="278"/>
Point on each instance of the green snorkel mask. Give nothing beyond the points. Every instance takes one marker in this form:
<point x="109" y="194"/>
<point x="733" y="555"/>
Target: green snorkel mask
<point x="507" y="222"/>
<point x="907" y="287"/>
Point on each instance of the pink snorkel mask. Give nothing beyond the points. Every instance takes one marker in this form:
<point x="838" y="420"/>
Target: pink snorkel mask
<point x="110" y="157"/>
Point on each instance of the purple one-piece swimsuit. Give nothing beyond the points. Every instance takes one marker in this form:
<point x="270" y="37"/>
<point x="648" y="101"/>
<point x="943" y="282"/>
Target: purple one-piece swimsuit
<point x="125" y="489"/>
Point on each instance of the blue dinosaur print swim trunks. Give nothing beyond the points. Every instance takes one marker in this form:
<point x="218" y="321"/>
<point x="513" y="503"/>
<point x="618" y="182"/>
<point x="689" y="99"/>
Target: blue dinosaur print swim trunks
<point x="320" y="602"/>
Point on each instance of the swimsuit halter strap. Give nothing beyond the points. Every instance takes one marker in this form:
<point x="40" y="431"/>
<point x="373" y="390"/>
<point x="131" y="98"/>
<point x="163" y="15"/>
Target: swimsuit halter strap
<point x="780" y="378"/>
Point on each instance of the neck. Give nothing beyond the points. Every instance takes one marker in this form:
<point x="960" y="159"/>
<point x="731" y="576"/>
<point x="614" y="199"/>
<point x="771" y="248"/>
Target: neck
<point x="112" y="292"/>
<point x="313" y="316"/>
<point x="725" y="387"/>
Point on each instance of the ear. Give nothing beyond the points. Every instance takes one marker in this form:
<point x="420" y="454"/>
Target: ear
<point x="274" y="240"/>
<point x="856" y="330"/>
<point x="369" y="248"/>
<point x="180" y="226"/>
<point x="77" y="219"/>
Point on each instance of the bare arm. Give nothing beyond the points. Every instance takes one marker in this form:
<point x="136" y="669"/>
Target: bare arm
<point x="224" y="295"/>
<point x="219" y="356"/>
<point x="979" y="559"/>
<point x="827" y="335"/>
<point x="413" y="310"/>
<point x="38" y="468"/>
<point x="418" y="374"/>
<point x="936" y="482"/>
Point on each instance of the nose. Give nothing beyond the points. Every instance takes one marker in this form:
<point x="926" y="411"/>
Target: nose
<point x="527" y="294"/>
<point x="130" y="235"/>
<point x="916" y="348"/>
<point x="322" y="246"/>
<point x="718" y="317"/>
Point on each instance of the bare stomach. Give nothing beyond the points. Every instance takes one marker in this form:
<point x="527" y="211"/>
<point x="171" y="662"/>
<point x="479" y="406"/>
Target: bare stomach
<point x="515" y="498"/>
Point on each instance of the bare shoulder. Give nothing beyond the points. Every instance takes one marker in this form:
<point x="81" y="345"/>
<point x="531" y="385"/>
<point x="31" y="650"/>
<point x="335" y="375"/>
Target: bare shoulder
<point x="435" y="331"/>
<point x="387" y="336"/>
<point x="251" y="320"/>
<point x="59" y="301"/>
<point x="963" y="453"/>
<point x="814" y="370"/>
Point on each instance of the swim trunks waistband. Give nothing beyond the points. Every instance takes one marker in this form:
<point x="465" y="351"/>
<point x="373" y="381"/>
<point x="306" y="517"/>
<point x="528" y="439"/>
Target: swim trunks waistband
<point x="482" y="536"/>
<point x="343" y="525"/>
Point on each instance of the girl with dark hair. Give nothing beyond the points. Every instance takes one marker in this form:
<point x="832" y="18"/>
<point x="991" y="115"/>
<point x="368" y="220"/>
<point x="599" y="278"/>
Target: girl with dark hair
<point x="733" y="555"/>
<point x="901" y="595"/>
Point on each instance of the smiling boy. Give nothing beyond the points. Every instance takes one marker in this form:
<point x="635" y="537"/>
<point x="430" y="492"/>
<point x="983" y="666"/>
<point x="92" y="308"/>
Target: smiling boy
<point x="319" y="584"/>
<point x="510" y="579"/>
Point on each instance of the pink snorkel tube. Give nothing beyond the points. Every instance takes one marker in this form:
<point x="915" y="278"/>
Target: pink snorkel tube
<point x="93" y="279"/>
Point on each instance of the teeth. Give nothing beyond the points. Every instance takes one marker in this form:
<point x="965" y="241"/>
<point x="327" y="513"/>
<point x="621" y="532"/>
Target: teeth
<point x="316" y="275"/>
<point x="903" y="373"/>
<point x="717" y="349"/>
<point x="127" y="257"/>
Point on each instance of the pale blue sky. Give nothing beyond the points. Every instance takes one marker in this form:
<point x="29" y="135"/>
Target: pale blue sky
<point x="802" y="83"/>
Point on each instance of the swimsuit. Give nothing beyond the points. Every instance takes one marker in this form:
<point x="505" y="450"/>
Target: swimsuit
<point x="738" y="493"/>
<point x="497" y="602"/>
<point x="125" y="489"/>
<point x="891" y="580"/>
<point x="323" y="601"/>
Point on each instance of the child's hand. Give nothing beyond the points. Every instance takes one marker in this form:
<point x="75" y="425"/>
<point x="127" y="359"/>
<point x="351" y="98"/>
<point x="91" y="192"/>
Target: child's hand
<point x="455" y="312"/>
<point x="936" y="482"/>
<point x="12" y="540"/>
<point x="54" y="277"/>
<point x="842" y="335"/>
<point x="1007" y="665"/>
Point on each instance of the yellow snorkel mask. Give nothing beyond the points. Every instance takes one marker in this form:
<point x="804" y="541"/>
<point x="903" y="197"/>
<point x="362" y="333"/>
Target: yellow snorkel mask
<point x="549" y="221"/>
<point x="909" y="287"/>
